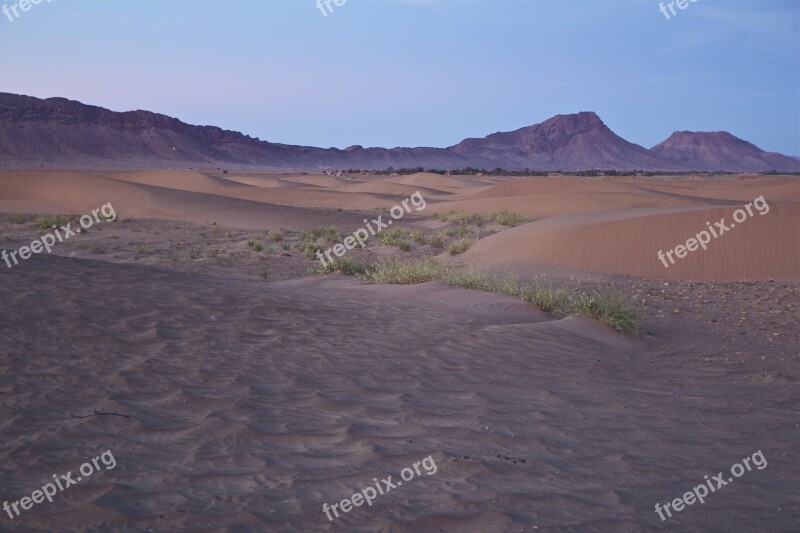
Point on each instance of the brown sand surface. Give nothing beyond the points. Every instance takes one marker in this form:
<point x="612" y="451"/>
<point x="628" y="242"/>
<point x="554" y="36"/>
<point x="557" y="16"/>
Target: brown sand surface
<point x="254" y="392"/>
<point x="252" y="405"/>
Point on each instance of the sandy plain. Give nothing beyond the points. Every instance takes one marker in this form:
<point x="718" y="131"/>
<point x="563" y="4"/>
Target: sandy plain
<point x="253" y="391"/>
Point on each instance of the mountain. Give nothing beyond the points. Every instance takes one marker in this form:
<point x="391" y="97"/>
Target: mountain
<point x="61" y="132"/>
<point x="719" y="150"/>
<point x="564" y="142"/>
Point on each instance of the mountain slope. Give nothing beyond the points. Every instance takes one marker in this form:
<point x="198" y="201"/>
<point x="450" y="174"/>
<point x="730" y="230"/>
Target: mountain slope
<point x="564" y="142"/>
<point x="61" y="132"/>
<point x="720" y="150"/>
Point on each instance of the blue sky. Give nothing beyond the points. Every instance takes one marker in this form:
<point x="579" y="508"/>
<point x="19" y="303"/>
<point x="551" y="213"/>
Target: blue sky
<point x="420" y="72"/>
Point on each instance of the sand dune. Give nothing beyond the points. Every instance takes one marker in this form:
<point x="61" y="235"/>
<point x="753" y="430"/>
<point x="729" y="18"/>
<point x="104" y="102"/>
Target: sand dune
<point x="627" y="242"/>
<point x="251" y="405"/>
<point x="607" y="225"/>
<point x="80" y="192"/>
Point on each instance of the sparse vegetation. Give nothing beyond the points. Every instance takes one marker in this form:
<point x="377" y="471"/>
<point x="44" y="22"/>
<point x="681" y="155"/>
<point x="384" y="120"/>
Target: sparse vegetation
<point x="255" y="245"/>
<point x="17" y="218"/>
<point x="44" y="222"/>
<point x="460" y="246"/>
<point x="419" y="236"/>
<point x="507" y="218"/>
<point x="462" y="230"/>
<point x="458" y="217"/>
<point x="437" y="240"/>
<point x="394" y="237"/>
<point x="327" y="233"/>
<point x="212" y="254"/>
<point x="192" y="254"/>
<point x="264" y="274"/>
<point x="317" y="239"/>
<point x="275" y="235"/>
<point x="610" y="308"/>
<point x="346" y="265"/>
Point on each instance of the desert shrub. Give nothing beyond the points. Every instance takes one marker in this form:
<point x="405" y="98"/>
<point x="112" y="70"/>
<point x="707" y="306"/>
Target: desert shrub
<point x="275" y="235"/>
<point x="325" y="233"/>
<point x="609" y="308"/>
<point x="212" y="254"/>
<point x="437" y="240"/>
<point x="393" y="236"/>
<point x="44" y="222"/>
<point x="311" y="248"/>
<point x="345" y="265"/>
<point x="17" y="218"/>
<point x="419" y="236"/>
<point x="506" y="218"/>
<point x="459" y="247"/>
<point x="255" y="245"/>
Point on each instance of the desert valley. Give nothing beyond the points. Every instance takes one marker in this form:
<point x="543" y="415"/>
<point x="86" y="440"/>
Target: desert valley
<point x="241" y="320"/>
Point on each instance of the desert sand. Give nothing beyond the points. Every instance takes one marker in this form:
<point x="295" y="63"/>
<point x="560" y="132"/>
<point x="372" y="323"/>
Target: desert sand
<point x="241" y="392"/>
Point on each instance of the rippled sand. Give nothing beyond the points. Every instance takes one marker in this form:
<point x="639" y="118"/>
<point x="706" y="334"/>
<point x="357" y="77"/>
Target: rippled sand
<point x="250" y="405"/>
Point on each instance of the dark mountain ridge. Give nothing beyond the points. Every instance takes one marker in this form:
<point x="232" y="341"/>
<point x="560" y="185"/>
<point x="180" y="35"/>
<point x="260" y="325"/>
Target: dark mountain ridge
<point x="57" y="131"/>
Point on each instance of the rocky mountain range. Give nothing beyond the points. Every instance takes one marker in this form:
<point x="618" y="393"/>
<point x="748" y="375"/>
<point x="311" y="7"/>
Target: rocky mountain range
<point x="57" y="131"/>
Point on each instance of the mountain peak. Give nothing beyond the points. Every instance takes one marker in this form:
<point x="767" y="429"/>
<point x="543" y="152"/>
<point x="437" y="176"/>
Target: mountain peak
<point x="720" y="150"/>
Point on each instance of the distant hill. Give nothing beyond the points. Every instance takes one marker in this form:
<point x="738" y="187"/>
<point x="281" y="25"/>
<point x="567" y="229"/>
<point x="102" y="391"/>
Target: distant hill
<point x="57" y="131"/>
<point x="565" y="142"/>
<point x="719" y="150"/>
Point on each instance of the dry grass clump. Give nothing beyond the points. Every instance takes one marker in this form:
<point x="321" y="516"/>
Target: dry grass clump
<point x="458" y="217"/>
<point x="317" y="240"/>
<point x="44" y="222"/>
<point x="345" y="265"/>
<point x="507" y="218"/>
<point x="460" y="246"/>
<point x="394" y="237"/>
<point x="610" y="308"/>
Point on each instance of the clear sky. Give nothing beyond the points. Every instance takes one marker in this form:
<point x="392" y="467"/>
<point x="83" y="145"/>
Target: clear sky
<point x="419" y="72"/>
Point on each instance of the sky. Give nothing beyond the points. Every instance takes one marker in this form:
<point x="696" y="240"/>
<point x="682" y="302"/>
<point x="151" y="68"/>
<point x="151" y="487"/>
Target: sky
<point x="419" y="72"/>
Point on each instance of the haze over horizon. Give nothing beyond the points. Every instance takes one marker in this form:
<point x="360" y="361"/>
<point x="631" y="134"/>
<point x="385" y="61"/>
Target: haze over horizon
<point x="365" y="74"/>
